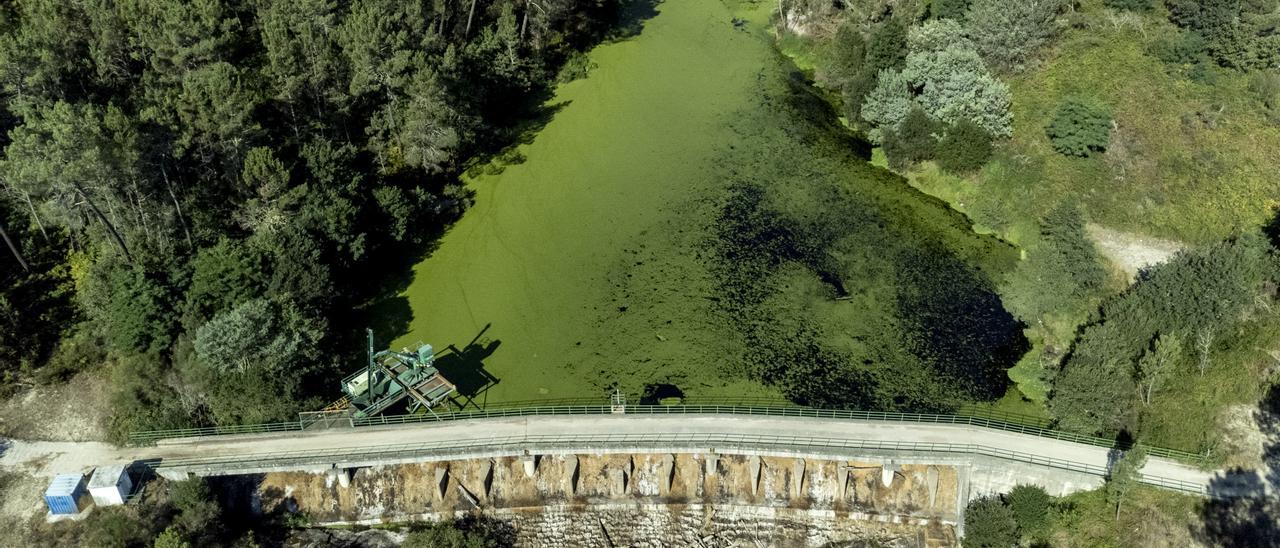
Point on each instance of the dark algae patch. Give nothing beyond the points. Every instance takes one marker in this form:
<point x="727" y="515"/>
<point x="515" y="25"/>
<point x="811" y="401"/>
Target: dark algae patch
<point x="848" y="288"/>
<point x="694" y="223"/>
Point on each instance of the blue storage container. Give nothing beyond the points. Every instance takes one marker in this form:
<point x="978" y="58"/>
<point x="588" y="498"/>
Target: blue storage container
<point x="65" y="494"/>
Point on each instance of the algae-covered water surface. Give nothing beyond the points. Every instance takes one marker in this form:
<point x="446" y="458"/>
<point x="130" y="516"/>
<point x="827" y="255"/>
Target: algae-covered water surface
<point x="691" y="218"/>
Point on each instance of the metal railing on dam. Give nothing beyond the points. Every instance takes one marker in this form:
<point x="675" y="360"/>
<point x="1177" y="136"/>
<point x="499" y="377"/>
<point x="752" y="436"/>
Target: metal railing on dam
<point x="664" y="442"/>
<point x="984" y="419"/>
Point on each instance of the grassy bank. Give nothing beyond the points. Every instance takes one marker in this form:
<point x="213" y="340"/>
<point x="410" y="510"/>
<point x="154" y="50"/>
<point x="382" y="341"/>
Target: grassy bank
<point x="1187" y="161"/>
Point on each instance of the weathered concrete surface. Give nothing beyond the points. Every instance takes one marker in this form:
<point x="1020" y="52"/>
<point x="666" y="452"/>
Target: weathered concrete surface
<point x="920" y="493"/>
<point x="622" y="499"/>
<point x="989" y="476"/>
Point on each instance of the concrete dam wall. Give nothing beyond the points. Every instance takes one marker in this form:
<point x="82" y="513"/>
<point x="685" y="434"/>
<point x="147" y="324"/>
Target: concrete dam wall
<point x="647" y="499"/>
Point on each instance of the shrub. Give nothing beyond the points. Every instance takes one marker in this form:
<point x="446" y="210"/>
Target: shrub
<point x="1238" y="34"/>
<point x="951" y="86"/>
<point x="113" y="527"/>
<point x="198" y="512"/>
<point x="952" y="83"/>
<point x="888" y="47"/>
<point x="1204" y="73"/>
<point x="1183" y="48"/>
<point x="1008" y="32"/>
<point x="576" y="67"/>
<point x="224" y="275"/>
<point x="937" y="36"/>
<point x="845" y="55"/>
<point x="250" y="335"/>
<point x="1030" y="506"/>
<point x="1266" y="86"/>
<point x="950" y="9"/>
<point x="988" y="523"/>
<point x="1129" y="5"/>
<point x="447" y="535"/>
<point x="964" y="148"/>
<point x="888" y="103"/>
<point x="855" y="94"/>
<point x="137" y="308"/>
<point x="914" y="141"/>
<point x="1062" y="258"/>
<point x="1185" y="53"/>
<point x="170" y="538"/>
<point x="1080" y="127"/>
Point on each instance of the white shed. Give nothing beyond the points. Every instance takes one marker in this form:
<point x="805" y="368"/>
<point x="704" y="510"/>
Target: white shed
<point x="110" y="485"/>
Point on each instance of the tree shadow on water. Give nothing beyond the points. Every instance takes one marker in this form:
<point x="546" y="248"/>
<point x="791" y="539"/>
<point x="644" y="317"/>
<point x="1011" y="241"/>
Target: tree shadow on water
<point x="632" y="16"/>
<point x="1244" y="509"/>
<point x="389" y="318"/>
<point x="464" y="367"/>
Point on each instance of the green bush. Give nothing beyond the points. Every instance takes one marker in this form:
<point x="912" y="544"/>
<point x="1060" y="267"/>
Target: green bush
<point x="944" y="76"/>
<point x="1063" y="237"/>
<point x="1080" y="127"/>
<point x="855" y="94"/>
<point x="845" y="55"/>
<point x="950" y="9"/>
<point x="575" y="67"/>
<point x="947" y="77"/>
<point x="886" y="105"/>
<point x="888" y="47"/>
<point x="199" y="515"/>
<point x="914" y="140"/>
<point x="170" y="538"/>
<point x="1009" y="32"/>
<point x="1238" y="34"/>
<point x="1183" y="48"/>
<point x="1062" y="258"/>
<point x="964" y="148"/>
<point x="1265" y="85"/>
<point x="988" y="523"/>
<point x="469" y="532"/>
<point x="223" y="276"/>
<point x="1030" y="505"/>
<point x="1204" y="73"/>
<point x="1185" y="54"/>
<point x="1129" y="5"/>
<point x="137" y="314"/>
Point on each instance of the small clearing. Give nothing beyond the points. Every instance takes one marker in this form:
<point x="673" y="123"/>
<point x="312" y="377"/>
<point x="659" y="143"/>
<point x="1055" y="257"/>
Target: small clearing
<point x="71" y="411"/>
<point x="1132" y="252"/>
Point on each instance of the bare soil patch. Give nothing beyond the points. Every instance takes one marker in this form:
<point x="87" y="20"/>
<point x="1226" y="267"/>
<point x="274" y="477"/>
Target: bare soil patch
<point x="1132" y="252"/>
<point x="72" y="411"/>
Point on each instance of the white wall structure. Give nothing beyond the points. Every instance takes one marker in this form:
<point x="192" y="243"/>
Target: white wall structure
<point x="110" y="485"/>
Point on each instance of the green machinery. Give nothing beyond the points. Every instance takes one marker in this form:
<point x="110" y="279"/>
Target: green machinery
<point x="390" y="377"/>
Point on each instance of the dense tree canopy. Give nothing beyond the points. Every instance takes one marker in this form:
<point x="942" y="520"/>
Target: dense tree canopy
<point x="1238" y="33"/>
<point x="214" y="168"/>
<point x="1124" y="356"/>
